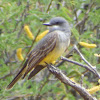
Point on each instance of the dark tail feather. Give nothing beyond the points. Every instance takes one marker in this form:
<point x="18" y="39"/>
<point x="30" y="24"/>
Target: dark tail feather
<point x="18" y="76"/>
<point x="35" y="71"/>
<point x="14" y="81"/>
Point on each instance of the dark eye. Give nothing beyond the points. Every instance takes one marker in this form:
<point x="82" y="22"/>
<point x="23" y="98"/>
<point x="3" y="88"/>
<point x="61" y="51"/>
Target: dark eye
<point x="57" y="22"/>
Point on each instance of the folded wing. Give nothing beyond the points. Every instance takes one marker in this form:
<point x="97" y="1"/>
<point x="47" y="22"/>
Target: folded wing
<point x="43" y="48"/>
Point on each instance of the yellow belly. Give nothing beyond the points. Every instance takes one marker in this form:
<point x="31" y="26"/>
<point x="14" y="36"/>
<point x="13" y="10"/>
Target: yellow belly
<point x="52" y="57"/>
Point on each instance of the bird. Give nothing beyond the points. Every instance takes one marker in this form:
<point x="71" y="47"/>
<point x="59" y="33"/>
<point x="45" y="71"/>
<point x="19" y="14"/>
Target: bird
<point x="47" y="50"/>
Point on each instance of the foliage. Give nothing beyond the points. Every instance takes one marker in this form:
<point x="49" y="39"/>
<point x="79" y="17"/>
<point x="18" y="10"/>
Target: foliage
<point x="14" y="14"/>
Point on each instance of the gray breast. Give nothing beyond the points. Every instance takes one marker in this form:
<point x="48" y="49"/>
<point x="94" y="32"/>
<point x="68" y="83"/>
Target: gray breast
<point x="63" y="39"/>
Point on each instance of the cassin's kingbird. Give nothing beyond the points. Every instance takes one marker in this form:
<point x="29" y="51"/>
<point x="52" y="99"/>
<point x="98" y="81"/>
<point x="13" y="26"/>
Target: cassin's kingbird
<point x="47" y="50"/>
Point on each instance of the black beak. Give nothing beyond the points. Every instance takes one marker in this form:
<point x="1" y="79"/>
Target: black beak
<point x="47" y="24"/>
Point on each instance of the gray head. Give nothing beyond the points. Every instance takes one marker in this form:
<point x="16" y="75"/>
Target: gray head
<point x="58" y="23"/>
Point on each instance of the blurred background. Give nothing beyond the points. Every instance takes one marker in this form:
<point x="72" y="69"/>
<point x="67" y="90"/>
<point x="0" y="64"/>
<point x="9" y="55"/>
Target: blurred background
<point x="84" y="19"/>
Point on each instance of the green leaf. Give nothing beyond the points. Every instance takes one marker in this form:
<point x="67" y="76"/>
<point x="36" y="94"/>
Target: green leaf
<point x="75" y="33"/>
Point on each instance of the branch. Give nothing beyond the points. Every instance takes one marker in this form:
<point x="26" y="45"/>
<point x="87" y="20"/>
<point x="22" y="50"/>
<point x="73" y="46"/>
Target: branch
<point x="85" y="16"/>
<point x="42" y="86"/>
<point x="91" y="68"/>
<point x="62" y="77"/>
<point x="3" y="77"/>
<point x="8" y="59"/>
<point x="21" y="17"/>
<point x="49" y="6"/>
<point x="19" y="97"/>
<point x="79" y="64"/>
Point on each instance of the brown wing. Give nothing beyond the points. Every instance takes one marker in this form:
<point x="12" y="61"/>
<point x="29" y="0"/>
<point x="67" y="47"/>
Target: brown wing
<point x="36" y="70"/>
<point x="44" y="46"/>
<point x="42" y="49"/>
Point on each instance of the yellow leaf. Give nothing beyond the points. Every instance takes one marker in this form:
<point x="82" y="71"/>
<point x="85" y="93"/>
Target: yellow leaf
<point x="72" y="79"/>
<point x="97" y="55"/>
<point x="19" y="54"/>
<point x="39" y="37"/>
<point x="94" y="89"/>
<point x="29" y="33"/>
<point x="99" y="81"/>
<point x="87" y="45"/>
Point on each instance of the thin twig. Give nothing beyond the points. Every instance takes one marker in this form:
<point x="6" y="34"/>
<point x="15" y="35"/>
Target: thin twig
<point x="42" y="85"/>
<point x="20" y="19"/>
<point x="85" y="16"/>
<point x="49" y="6"/>
<point x="8" y="59"/>
<point x="9" y="74"/>
<point x="79" y="64"/>
<point x="91" y="67"/>
<point x="19" y="96"/>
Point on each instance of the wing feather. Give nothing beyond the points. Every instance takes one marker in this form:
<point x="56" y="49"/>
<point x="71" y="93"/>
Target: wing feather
<point x="42" y="50"/>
